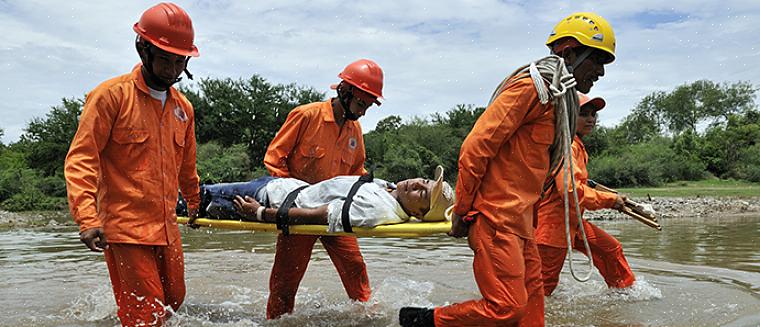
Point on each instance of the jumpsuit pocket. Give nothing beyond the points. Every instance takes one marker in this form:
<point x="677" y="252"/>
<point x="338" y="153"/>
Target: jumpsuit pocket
<point x="312" y="155"/>
<point x="542" y="136"/>
<point x="130" y="150"/>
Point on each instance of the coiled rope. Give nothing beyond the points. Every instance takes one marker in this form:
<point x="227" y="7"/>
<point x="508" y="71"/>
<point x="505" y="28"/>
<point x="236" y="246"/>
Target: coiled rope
<point x="551" y="71"/>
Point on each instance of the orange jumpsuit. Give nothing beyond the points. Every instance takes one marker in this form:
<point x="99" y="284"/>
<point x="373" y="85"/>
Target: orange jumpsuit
<point x="125" y="164"/>
<point x="311" y="147"/>
<point x="550" y="233"/>
<point x="503" y="164"/>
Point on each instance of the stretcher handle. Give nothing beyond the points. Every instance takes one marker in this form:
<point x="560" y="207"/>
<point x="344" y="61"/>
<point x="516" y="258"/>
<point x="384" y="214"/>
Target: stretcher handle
<point x="630" y="208"/>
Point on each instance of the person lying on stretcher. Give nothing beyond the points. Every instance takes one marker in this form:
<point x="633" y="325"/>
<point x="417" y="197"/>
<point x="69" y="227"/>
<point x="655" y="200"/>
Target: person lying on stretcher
<point x="376" y="202"/>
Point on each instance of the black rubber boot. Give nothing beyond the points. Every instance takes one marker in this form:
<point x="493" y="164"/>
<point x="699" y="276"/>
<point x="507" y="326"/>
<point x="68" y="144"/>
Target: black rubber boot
<point x="416" y="317"/>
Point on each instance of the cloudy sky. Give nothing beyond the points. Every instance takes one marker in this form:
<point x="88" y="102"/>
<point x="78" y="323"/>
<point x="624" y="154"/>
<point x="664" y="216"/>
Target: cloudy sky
<point x="435" y="54"/>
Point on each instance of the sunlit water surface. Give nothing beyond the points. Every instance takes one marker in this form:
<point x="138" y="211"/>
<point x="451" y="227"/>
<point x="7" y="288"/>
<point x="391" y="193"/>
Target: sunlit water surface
<point x="696" y="272"/>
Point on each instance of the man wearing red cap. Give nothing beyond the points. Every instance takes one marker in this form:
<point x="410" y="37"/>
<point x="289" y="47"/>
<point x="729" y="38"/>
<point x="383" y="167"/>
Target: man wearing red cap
<point x="319" y="141"/>
<point x="606" y="251"/>
<point x="134" y="147"/>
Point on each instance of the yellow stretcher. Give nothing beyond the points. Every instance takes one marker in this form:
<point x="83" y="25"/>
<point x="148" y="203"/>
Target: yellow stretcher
<point x="408" y="230"/>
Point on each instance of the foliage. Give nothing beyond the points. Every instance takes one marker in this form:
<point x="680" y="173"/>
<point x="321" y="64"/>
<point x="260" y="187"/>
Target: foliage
<point x="247" y="112"/>
<point x="402" y="150"/>
<point x="48" y="139"/>
<point x="749" y="164"/>
<point x="688" y="107"/>
<point x="652" y="163"/>
<point x="217" y="164"/>
<point x="689" y="133"/>
<point x="23" y="188"/>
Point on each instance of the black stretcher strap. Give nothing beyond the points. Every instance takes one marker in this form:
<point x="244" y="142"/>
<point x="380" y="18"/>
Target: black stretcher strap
<point x="282" y="211"/>
<point x="366" y="178"/>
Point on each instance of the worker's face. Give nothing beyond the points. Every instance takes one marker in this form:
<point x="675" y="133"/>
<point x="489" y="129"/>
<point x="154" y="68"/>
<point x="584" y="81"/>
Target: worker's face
<point x="167" y="66"/>
<point x="586" y="121"/>
<point x="590" y="70"/>
<point x="414" y="196"/>
<point x="360" y="102"/>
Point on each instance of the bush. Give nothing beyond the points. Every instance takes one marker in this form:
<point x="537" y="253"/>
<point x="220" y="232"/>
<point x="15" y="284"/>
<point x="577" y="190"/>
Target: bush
<point x="219" y="165"/>
<point x="645" y="164"/>
<point x="54" y="186"/>
<point x="21" y="189"/>
<point x="33" y="201"/>
<point x="749" y="164"/>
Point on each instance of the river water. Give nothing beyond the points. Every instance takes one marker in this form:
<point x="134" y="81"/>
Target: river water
<point x="696" y="272"/>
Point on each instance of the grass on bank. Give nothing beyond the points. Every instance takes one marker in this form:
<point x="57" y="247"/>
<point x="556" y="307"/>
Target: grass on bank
<point x="708" y="187"/>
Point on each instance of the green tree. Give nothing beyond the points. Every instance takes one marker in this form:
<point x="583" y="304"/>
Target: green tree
<point x="690" y="105"/>
<point x="217" y="164"/>
<point x="47" y="139"/>
<point x="723" y="143"/>
<point x="413" y="148"/>
<point x="246" y="112"/>
<point x="388" y="124"/>
<point x="646" y="121"/>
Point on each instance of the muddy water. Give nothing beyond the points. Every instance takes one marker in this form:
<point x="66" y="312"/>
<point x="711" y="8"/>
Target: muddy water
<point x="696" y="272"/>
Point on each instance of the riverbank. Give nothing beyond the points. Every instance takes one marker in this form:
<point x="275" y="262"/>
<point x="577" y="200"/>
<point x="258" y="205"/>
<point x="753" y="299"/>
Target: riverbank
<point x="684" y="207"/>
<point x="34" y="219"/>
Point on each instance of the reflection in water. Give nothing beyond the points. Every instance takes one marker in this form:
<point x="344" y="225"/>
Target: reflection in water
<point x="700" y="272"/>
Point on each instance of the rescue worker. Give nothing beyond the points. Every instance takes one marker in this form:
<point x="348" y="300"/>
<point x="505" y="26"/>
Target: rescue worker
<point x="134" y="147"/>
<point x="606" y="251"/>
<point x="319" y="141"/>
<point x="503" y="165"/>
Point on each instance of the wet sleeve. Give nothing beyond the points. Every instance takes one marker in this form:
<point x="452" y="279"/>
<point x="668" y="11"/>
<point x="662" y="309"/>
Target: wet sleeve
<point x="276" y="157"/>
<point x="494" y="127"/>
<point x="82" y="165"/>
<point x="188" y="174"/>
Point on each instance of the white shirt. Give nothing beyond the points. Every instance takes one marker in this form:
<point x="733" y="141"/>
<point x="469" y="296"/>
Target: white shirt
<point x="158" y="95"/>
<point x="372" y="204"/>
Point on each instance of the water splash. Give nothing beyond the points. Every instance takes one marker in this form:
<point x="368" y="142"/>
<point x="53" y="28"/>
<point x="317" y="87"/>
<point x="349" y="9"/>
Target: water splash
<point x="596" y="291"/>
<point x="97" y="305"/>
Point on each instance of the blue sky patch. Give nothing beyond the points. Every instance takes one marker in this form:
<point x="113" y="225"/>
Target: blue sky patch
<point x="651" y="19"/>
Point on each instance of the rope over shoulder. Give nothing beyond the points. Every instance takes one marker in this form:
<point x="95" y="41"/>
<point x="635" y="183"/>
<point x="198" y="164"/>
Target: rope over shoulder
<point x="553" y="82"/>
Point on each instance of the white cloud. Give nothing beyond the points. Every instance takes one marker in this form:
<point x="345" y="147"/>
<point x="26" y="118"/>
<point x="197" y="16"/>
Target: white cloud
<point x="435" y="54"/>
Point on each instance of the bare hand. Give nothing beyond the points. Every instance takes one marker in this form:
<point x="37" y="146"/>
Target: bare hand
<point x="619" y="202"/>
<point x="94" y="239"/>
<point x="246" y="207"/>
<point x="458" y="227"/>
<point x="193" y="215"/>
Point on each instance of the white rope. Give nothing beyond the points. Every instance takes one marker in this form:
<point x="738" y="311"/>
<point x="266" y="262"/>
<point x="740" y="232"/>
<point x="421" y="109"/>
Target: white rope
<point x="552" y="70"/>
<point x="568" y="170"/>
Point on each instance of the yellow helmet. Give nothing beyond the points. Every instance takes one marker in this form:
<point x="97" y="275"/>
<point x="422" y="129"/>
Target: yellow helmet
<point x="587" y="28"/>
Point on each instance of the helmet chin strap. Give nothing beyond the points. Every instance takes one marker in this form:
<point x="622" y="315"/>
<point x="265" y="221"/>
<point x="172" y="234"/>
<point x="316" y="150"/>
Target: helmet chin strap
<point x="147" y="48"/>
<point x="345" y="97"/>
<point x="578" y="60"/>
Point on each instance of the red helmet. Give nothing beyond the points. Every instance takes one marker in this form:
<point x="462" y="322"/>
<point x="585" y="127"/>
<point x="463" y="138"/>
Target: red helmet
<point x="168" y="27"/>
<point x="597" y="102"/>
<point x="366" y="75"/>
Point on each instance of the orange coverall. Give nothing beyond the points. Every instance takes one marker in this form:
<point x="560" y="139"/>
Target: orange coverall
<point x="310" y="146"/>
<point x="550" y="233"/>
<point x="503" y="164"/>
<point x="125" y="164"/>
